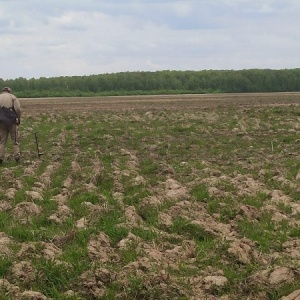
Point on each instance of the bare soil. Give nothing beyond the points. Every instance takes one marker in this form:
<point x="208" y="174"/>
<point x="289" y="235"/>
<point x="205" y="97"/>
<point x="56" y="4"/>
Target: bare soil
<point x="172" y="102"/>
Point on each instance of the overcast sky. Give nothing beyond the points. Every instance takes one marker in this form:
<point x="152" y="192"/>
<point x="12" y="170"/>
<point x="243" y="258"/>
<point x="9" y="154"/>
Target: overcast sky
<point x="50" y="38"/>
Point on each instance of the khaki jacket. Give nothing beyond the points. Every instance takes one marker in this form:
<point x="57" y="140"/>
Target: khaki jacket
<point x="10" y="100"/>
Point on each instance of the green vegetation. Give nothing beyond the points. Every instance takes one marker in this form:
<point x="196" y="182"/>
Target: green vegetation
<point x="160" y="82"/>
<point x="153" y="204"/>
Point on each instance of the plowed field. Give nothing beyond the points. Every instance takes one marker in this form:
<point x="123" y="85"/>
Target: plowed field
<point x="153" y="197"/>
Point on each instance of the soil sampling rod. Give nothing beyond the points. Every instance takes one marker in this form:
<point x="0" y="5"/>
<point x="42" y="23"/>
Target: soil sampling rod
<point x="37" y="145"/>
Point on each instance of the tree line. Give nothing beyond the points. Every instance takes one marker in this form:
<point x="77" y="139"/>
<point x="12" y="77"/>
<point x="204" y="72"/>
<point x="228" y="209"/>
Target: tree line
<point x="159" y="82"/>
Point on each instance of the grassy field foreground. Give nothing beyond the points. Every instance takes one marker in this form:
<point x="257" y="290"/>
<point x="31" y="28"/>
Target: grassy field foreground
<point x="157" y="200"/>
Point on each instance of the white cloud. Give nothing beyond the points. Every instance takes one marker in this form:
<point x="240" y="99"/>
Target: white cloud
<point x="182" y="8"/>
<point x="70" y="37"/>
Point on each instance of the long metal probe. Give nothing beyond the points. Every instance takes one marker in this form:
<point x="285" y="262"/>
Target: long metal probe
<point x="37" y="145"/>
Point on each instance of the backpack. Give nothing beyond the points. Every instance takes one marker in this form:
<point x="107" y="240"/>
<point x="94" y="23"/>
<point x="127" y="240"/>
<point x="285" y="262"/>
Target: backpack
<point x="8" y="116"/>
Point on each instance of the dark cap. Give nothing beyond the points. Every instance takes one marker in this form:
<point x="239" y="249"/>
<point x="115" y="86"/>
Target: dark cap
<point x="6" y="89"/>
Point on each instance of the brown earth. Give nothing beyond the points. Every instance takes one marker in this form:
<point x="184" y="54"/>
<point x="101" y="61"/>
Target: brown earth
<point x="172" y="102"/>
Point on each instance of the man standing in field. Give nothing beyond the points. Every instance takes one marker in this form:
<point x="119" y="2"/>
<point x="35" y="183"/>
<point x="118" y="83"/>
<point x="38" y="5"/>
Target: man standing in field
<point x="7" y="99"/>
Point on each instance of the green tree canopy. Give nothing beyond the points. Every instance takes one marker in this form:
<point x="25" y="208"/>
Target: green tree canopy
<point x="160" y="82"/>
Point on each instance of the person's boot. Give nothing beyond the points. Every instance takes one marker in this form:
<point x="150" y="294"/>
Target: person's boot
<point x="17" y="159"/>
<point x="1" y="161"/>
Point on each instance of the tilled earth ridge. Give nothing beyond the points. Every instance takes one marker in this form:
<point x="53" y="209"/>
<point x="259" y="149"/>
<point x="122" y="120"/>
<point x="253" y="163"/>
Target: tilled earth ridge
<point x="154" y="200"/>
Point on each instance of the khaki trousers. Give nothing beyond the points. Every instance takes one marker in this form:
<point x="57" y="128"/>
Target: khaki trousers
<point x="13" y="132"/>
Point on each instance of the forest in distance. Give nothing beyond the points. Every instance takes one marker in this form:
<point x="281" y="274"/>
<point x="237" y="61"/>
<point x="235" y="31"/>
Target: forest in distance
<point x="158" y="82"/>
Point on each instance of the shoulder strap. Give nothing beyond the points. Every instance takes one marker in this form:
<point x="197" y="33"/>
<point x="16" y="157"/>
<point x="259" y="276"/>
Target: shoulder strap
<point x="12" y="102"/>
